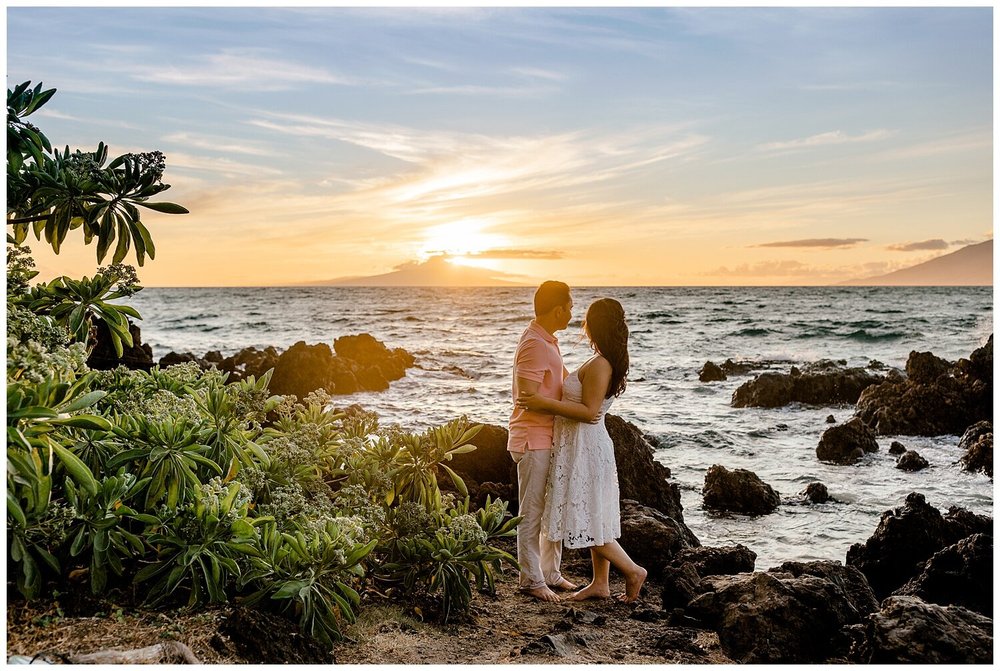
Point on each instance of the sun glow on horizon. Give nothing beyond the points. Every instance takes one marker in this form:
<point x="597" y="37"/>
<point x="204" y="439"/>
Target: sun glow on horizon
<point x="459" y="240"/>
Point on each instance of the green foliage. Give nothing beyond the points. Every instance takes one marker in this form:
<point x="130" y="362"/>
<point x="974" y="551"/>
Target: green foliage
<point x="75" y="303"/>
<point x="51" y="193"/>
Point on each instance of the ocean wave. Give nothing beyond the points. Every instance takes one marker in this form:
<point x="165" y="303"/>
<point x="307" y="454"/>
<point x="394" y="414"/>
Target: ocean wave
<point x="753" y="332"/>
<point x="863" y="335"/>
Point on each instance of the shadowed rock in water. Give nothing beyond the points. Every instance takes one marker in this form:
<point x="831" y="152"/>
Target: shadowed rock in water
<point x="738" y="491"/>
<point x="711" y="372"/>
<point x="938" y="398"/>
<point x="847" y="443"/>
<point x="911" y="461"/>
<point x="909" y="631"/>
<point x="977" y="441"/>
<point x="816" y="492"/>
<point x="795" y="613"/>
<point x="819" y="383"/>
<point x="959" y="575"/>
<point x="896" y="448"/>
<point x="906" y="537"/>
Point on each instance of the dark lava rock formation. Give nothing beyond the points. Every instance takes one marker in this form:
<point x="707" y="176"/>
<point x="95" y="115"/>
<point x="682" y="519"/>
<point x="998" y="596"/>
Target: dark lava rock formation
<point x="909" y="631"/>
<point x="103" y="356"/>
<point x="819" y="383"/>
<point x="711" y="372"/>
<point x="791" y="614"/>
<point x="906" y="538"/>
<point x="911" y="461"/>
<point x="959" y="575"/>
<point x="738" y="491"/>
<point x="356" y="363"/>
<point x="977" y="441"/>
<point x="816" y="492"/>
<point x="936" y="398"/>
<point x="846" y="443"/>
<point x="651" y="538"/>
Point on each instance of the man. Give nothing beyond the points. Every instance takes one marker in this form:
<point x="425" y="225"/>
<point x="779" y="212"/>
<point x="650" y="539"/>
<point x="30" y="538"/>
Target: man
<point x="538" y="368"/>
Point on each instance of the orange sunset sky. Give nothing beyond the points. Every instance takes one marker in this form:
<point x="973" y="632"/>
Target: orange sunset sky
<point x="643" y="146"/>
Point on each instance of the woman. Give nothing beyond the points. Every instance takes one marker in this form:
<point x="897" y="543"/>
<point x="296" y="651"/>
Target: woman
<point x="581" y="507"/>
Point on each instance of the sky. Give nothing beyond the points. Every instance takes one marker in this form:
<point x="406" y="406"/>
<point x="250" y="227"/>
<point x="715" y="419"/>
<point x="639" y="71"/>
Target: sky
<point x="642" y="146"/>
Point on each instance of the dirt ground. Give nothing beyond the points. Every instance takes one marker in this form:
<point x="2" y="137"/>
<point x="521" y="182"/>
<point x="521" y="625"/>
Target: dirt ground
<point x="509" y="629"/>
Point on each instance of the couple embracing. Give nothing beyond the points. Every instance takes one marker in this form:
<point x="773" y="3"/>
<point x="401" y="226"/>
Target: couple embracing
<point x="566" y="474"/>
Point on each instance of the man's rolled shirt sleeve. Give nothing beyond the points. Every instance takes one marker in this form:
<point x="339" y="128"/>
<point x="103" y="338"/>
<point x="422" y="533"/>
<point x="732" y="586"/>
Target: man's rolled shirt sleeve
<point x="531" y="363"/>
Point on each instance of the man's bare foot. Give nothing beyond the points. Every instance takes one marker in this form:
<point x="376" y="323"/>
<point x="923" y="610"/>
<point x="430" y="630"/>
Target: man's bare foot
<point x="591" y="591"/>
<point x="542" y="593"/>
<point x="565" y="585"/>
<point x="633" y="583"/>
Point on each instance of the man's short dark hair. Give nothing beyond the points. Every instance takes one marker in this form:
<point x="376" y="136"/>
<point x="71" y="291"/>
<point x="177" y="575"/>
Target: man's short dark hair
<point x="550" y="294"/>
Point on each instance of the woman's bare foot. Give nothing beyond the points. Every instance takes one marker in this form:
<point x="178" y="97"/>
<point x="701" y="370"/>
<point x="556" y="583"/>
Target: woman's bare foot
<point x="565" y="585"/>
<point x="591" y="591"/>
<point x="633" y="583"/>
<point x="542" y="593"/>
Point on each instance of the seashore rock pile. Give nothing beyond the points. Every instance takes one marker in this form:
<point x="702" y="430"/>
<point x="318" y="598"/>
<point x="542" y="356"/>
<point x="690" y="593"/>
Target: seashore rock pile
<point x="355" y="363"/>
<point x="936" y="398"/>
<point x="846" y="443"/>
<point x="820" y="383"/>
<point x="738" y="491"/>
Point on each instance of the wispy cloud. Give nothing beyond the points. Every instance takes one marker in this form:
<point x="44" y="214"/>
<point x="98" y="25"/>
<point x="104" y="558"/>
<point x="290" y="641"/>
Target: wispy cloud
<point x="833" y="137"/>
<point x="539" y="73"/>
<point x="517" y="254"/>
<point x="825" y="243"/>
<point x="764" y="269"/>
<point x="924" y="245"/>
<point x="234" y="68"/>
<point x="215" y="143"/>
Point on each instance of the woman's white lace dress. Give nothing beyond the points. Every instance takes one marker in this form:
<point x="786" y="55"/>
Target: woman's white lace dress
<point x="581" y="502"/>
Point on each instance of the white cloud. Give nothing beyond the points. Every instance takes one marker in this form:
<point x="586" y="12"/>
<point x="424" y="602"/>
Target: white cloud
<point x="834" y="137"/>
<point x="236" y="68"/>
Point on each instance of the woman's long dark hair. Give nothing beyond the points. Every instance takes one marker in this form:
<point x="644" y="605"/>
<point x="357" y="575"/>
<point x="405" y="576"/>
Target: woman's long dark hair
<point x="605" y="326"/>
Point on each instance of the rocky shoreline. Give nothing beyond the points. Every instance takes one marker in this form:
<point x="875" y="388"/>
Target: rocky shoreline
<point x="918" y="590"/>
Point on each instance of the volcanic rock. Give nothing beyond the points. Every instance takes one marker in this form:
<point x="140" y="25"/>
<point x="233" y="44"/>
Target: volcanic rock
<point x="710" y="372"/>
<point x="977" y="441"/>
<point x="820" y="383"/>
<point x="896" y="448"/>
<point x="708" y="561"/>
<point x="935" y="401"/>
<point x="784" y="615"/>
<point x="959" y="575"/>
<point x="846" y="443"/>
<point x="137" y="356"/>
<point x="816" y="492"/>
<point x="681" y="583"/>
<point x="906" y="537"/>
<point x="730" y="367"/>
<point x="911" y="461"/>
<point x="830" y="419"/>
<point x="909" y="631"/>
<point x="651" y="538"/>
<point x="739" y="491"/>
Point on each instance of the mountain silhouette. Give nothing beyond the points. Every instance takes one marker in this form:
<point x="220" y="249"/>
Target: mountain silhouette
<point x="437" y="271"/>
<point x="968" y="266"/>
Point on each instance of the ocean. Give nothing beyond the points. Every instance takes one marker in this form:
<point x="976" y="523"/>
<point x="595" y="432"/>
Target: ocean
<point x="464" y="338"/>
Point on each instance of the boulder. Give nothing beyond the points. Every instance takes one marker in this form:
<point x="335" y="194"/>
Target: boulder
<point x="911" y="461"/>
<point x="680" y="584"/>
<point x="830" y="419"/>
<point x="906" y="537"/>
<point x="362" y="363"/>
<point x="174" y="358"/>
<point x="977" y="441"/>
<point x="137" y="356"/>
<point x="738" y="491"/>
<point x="816" y="492"/>
<point x="784" y="615"/>
<point x="820" y="383"/>
<point x="710" y="372"/>
<point x="932" y="401"/>
<point x="730" y="367"/>
<point x="959" y="575"/>
<point x="651" y="538"/>
<point x="489" y="463"/>
<point x="925" y="368"/>
<point x="909" y="631"/>
<point x="896" y="448"/>
<point x="846" y="443"/>
<point x="707" y="561"/>
<point x="640" y="476"/>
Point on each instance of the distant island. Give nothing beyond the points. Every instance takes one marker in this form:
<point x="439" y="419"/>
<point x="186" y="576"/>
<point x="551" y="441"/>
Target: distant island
<point x="969" y="266"/>
<point x="437" y="271"/>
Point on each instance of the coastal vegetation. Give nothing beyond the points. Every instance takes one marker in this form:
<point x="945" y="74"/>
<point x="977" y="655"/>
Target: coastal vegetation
<point x="175" y="487"/>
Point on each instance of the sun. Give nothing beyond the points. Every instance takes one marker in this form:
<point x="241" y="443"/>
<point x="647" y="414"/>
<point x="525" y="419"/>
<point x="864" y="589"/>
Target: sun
<point x="462" y="241"/>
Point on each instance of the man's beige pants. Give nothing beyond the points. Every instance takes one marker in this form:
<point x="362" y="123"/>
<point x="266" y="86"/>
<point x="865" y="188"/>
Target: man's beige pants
<point x="538" y="556"/>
